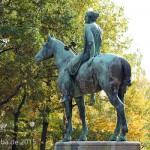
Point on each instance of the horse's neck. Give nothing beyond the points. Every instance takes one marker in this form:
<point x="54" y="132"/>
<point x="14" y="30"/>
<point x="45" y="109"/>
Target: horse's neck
<point x="62" y="56"/>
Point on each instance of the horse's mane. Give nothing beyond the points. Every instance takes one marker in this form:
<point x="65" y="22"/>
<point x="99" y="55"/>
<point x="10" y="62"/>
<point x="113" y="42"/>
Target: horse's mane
<point x="63" y="45"/>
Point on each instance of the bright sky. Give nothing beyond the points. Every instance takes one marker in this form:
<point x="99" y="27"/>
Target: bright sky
<point x="138" y="12"/>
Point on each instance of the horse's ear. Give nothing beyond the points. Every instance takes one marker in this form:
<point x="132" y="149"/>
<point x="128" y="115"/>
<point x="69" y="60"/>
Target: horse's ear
<point x="53" y="36"/>
<point x="49" y="37"/>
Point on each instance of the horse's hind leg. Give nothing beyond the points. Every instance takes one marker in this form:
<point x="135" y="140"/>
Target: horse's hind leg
<point x="119" y="105"/>
<point x="68" y="108"/>
<point x="117" y="129"/>
<point x="121" y="93"/>
<point x="81" y="107"/>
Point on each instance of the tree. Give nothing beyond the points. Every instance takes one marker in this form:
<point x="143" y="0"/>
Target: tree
<point x="24" y="27"/>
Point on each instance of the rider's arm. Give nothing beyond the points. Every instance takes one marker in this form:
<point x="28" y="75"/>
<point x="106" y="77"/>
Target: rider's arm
<point x="90" y="41"/>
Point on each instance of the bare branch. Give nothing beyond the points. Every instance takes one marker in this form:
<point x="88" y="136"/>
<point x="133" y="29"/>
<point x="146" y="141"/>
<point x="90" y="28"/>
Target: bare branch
<point x="8" y="3"/>
<point x="21" y="104"/>
<point x="11" y="96"/>
<point x="2" y="51"/>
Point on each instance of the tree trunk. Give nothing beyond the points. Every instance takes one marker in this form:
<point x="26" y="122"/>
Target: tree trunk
<point x="16" y="116"/>
<point x="15" y="132"/>
<point x="43" y="138"/>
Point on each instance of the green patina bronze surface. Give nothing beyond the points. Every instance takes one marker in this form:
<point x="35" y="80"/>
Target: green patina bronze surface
<point x="91" y="73"/>
<point x="92" y="43"/>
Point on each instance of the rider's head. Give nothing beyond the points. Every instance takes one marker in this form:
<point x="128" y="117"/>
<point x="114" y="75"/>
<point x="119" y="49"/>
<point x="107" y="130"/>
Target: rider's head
<point x="91" y="16"/>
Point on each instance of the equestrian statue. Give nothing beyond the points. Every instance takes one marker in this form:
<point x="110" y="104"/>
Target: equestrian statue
<point x="87" y="73"/>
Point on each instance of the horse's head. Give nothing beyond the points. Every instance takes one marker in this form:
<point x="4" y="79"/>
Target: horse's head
<point x="46" y="51"/>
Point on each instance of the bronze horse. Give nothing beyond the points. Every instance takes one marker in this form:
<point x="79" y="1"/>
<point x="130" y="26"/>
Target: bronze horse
<point x="107" y="72"/>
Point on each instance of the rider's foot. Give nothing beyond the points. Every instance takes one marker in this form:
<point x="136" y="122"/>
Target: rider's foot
<point x="66" y="97"/>
<point x="92" y="100"/>
<point x="91" y="103"/>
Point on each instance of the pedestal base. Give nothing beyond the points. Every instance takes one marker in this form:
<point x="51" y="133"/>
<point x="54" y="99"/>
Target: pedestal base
<point x="97" y="145"/>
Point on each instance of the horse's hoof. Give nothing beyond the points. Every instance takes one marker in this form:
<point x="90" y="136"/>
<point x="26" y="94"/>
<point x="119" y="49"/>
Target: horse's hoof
<point x="122" y="138"/>
<point x="66" y="139"/>
<point x="113" y="138"/>
<point x="82" y="138"/>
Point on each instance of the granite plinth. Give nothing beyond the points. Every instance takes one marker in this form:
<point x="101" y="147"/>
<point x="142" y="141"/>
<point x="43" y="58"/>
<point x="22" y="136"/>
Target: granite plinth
<point x="98" y="145"/>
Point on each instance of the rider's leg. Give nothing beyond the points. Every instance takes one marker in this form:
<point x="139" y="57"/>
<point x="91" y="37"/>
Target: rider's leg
<point x="92" y="100"/>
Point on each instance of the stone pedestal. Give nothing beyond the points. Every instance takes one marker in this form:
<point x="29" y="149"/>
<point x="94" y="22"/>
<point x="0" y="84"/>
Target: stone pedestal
<point x="97" y="145"/>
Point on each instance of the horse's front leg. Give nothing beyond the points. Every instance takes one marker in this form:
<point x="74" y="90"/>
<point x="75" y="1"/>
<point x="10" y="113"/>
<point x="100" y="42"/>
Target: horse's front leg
<point x="68" y="108"/>
<point x="81" y="107"/>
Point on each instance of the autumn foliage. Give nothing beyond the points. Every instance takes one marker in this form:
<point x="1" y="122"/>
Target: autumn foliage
<point x="29" y="93"/>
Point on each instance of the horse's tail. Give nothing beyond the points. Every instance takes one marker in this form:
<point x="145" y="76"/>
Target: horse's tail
<point x="126" y="71"/>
